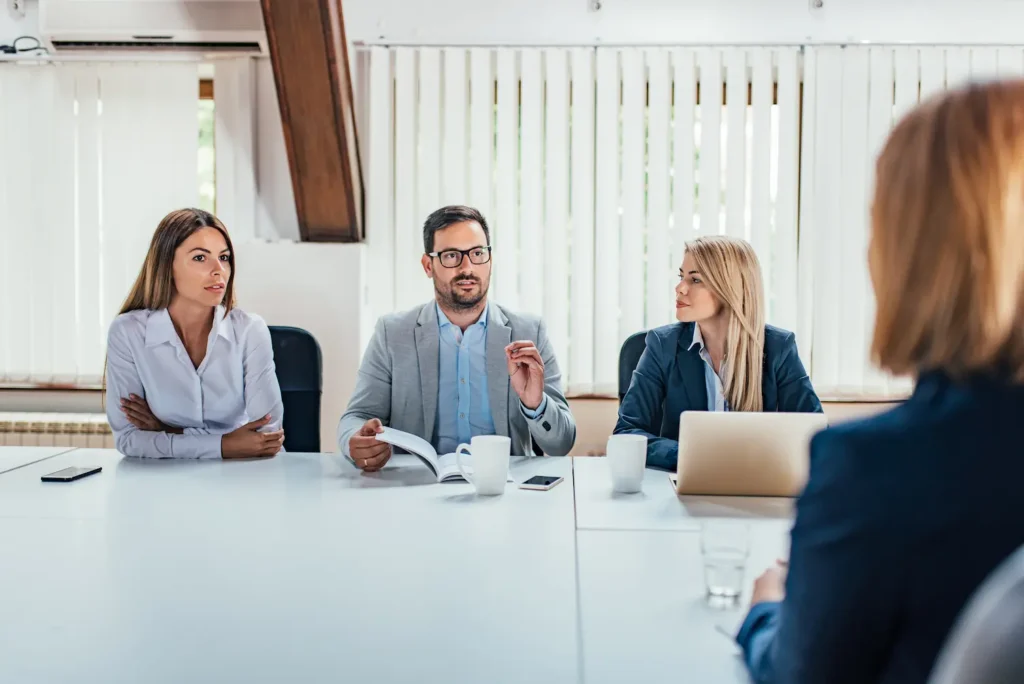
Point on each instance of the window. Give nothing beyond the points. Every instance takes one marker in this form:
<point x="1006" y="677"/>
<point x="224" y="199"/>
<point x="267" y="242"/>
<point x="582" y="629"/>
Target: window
<point x="600" y="163"/>
<point x="854" y="96"/>
<point x="104" y="150"/>
<point x="207" y="159"/>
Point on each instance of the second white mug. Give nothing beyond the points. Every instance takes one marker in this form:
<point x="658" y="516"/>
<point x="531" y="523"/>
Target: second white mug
<point x="627" y="459"/>
<point x="490" y="454"/>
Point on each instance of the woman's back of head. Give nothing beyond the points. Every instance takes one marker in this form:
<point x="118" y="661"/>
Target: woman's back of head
<point x="947" y="238"/>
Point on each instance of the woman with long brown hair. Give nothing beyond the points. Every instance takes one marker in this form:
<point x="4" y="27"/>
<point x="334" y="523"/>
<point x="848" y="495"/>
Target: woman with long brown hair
<point x="188" y="374"/>
<point x="719" y="357"/>
<point x="906" y="513"/>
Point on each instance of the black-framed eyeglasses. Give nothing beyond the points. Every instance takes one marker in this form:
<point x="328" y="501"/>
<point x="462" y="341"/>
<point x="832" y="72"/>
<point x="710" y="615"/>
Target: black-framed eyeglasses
<point x="452" y="258"/>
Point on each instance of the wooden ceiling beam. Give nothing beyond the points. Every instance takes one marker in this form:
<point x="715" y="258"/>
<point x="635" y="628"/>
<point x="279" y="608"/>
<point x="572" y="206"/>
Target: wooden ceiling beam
<point x="314" y="91"/>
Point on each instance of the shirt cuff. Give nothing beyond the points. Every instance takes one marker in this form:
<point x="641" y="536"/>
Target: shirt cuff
<point x="207" y="446"/>
<point x="760" y="616"/>
<point x="532" y="415"/>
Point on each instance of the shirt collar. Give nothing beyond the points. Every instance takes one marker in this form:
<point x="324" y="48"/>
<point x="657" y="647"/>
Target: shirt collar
<point x="698" y="339"/>
<point x="160" y="329"/>
<point x="443" y="322"/>
<point x="222" y="325"/>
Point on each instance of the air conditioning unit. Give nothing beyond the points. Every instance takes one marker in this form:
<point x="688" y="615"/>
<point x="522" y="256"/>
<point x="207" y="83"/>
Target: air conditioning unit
<point x="203" y="27"/>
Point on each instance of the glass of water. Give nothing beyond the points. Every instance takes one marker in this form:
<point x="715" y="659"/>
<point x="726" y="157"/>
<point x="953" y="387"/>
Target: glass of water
<point x="725" y="545"/>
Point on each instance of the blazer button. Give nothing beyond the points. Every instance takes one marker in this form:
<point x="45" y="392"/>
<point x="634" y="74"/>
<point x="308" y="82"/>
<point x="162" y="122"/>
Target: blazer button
<point x="547" y="425"/>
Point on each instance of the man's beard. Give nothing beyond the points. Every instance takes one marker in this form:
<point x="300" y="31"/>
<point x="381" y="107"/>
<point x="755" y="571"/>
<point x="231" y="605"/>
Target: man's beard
<point x="453" y="299"/>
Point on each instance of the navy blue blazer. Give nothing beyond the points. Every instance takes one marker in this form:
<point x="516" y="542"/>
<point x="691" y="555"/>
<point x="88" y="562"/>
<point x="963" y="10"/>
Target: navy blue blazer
<point x="904" y="515"/>
<point x="669" y="379"/>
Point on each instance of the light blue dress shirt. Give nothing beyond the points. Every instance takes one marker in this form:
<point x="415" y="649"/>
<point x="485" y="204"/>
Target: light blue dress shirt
<point x="235" y="384"/>
<point x="463" y="406"/>
<point x="712" y="382"/>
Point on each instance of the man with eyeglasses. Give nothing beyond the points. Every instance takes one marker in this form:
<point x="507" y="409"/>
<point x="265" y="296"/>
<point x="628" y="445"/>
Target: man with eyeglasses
<point x="460" y="366"/>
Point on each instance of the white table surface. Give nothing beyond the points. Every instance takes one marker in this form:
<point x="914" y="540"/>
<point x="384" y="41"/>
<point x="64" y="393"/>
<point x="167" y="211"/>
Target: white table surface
<point x="643" y="617"/>
<point x="292" y="569"/>
<point x="657" y="507"/>
<point x="303" y="570"/>
<point x="12" y="457"/>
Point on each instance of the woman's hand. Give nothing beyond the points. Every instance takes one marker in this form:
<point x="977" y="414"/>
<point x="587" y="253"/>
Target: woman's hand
<point x="247" y="442"/>
<point x="138" y="413"/>
<point x="771" y="585"/>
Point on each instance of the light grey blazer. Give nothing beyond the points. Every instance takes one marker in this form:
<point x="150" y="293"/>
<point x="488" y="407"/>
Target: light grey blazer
<point x="398" y="381"/>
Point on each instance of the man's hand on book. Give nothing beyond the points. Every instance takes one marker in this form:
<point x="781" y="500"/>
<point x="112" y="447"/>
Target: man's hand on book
<point x="366" y="451"/>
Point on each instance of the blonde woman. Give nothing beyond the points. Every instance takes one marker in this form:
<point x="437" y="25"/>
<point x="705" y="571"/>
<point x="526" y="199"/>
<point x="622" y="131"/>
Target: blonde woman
<point x="189" y="375"/>
<point x="906" y="513"/>
<point x="719" y="357"/>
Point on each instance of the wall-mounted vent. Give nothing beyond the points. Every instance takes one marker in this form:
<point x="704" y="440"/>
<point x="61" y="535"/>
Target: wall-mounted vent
<point x="194" y="26"/>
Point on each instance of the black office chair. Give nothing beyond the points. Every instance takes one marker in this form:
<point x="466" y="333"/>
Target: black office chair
<point x="984" y="647"/>
<point x="300" y="374"/>
<point x="629" y="357"/>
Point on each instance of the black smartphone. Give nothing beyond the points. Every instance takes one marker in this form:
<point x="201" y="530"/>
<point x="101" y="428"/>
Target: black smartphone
<point x="541" y="482"/>
<point x="70" y="474"/>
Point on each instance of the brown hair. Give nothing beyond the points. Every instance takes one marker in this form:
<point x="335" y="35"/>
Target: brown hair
<point x="154" y="288"/>
<point x="947" y="236"/>
<point x="732" y="272"/>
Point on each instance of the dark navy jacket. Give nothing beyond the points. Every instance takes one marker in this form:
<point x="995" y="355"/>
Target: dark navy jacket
<point x="669" y="379"/>
<point x="904" y="515"/>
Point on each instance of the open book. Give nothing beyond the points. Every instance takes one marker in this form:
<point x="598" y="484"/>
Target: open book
<point x="444" y="467"/>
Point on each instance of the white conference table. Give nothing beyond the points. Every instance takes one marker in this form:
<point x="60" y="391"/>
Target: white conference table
<point x="657" y="507"/>
<point x="290" y="569"/>
<point x="643" y="616"/>
<point x="303" y="570"/>
<point x="12" y="457"/>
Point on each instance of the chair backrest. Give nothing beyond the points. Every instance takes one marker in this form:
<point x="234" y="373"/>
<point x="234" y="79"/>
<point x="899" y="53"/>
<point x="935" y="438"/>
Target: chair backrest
<point x="300" y="374"/>
<point x="629" y="357"/>
<point x="985" y="645"/>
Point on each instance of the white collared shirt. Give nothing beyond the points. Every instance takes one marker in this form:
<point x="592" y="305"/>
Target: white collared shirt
<point x="235" y="384"/>
<point x="712" y="381"/>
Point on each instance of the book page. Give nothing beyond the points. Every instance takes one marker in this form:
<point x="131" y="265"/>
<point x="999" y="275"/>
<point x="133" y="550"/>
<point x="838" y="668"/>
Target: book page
<point x="448" y="469"/>
<point x="414" y="445"/>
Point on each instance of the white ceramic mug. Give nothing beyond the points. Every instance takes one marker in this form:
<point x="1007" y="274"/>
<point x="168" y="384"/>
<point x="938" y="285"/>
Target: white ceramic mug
<point x="627" y="458"/>
<point x="490" y="463"/>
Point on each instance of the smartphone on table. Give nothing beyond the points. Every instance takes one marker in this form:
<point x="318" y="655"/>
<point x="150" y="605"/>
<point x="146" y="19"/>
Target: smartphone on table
<point x="541" y="482"/>
<point x="71" y="474"/>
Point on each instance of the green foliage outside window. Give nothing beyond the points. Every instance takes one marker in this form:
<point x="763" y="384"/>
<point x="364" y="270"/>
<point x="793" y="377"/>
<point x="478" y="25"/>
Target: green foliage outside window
<point x="207" y="166"/>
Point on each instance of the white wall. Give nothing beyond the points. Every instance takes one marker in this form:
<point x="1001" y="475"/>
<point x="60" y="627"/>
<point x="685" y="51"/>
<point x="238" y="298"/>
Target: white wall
<point x="524" y="22"/>
<point x="567" y="22"/>
<point x="11" y="27"/>
<point x="275" y="199"/>
<point x="310" y="286"/>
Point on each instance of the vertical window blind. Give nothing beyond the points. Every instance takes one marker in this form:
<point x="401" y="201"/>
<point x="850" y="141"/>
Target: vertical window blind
<point x="594" y="166"/>
<point x="94" y="156"/>
<point x="853" y="97"/>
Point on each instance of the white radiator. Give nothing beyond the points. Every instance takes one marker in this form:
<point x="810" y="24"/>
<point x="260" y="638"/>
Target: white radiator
<point x="86" y="430"/>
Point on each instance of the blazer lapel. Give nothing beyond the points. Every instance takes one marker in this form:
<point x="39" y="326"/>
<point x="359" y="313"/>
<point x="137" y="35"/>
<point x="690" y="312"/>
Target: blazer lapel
<point x="427" y="351"/>
<point x="690" y="367"/>
<point x="498" y="386"/>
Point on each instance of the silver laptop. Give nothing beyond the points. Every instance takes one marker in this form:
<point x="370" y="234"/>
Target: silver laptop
<point x="745" y="454"/>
